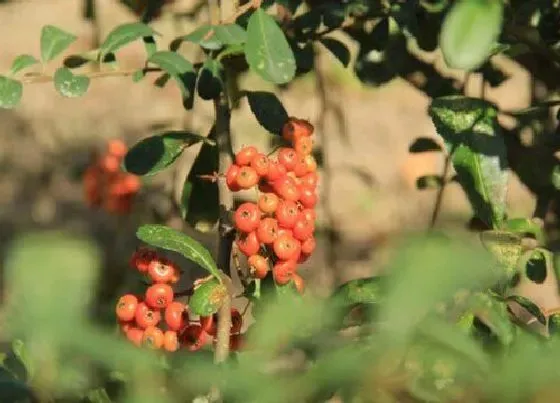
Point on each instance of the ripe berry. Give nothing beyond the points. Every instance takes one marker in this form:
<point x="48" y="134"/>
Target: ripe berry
<point x="285" y="231"/>
<point x="117" y="148"/>
<point x="299" y="283"/>
<point x="268" y="202"/>
<point x="303" y="228"/>
<point x="287" y="188"/>
<point x="141" y="259"/>
<point x="236" y="342"/>
<point x="287" y="157"/>
<point x="309" y="214"/>
<point x="236" y="321"/>
<point x="125" y="326"/>
<point x="245" y="155"/>
<point x="159" y="296"/>
<point x="275" y="170"/>
<point x="135" y="335"/>
<point x="287" y="248"/>
<point x="145" y="316"/>
<point x="308" y="246"/>
<point x="267" y="230"/>
<point x="176" y="316"/>
<point x="300" y="168"/>
<point x="193" y="338"/>
<point x="287" y="213"/>
<point x="126" y="307"/>
<point x="310" y="180"/>
<point x="303" y="146"/>
<point x="311" y="163"/>
<point x="248" y="244"/>
<point x="110" y="164"/>
<point x="208" y="324"/>
<point x="231" y="178"/>
<point x="295" y="128"/>
<point x="307" y="197"/>
<point x="170" y="341"/>
<point x="162" y="270"/>
<point x="247" y="217"/>
<point x="153" y="338"/>
<point x="260" y="164"/>
<point x="283" y="271"/>
<point x="258" y="266"/>
<point x="247" y="177"/>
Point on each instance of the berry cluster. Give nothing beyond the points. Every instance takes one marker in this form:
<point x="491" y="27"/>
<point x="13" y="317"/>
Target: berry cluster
<point x="278" y="229"/>
<point x="106" y="186"/>
<point x="157" y="320"/>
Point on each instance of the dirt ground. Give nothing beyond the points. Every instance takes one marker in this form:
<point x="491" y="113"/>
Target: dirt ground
<point x="47" y="140"/>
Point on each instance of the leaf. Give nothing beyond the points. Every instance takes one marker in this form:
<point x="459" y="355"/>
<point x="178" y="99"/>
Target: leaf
<point x="469" y="32"/>
<point x="554" y="324"/>
<point x="424" y="144"/>
<point x="207" y="298"/>
<point x="200" y="204"/>
<point x="153" y="154"/>
<point x="505" y="246"/>
<point x="20" y="352"/>
<point x="471" y="132"/>
<point x="338" y="49"/>
<point x="535" y="264"/>
<point x="267" y="51"/>
<point x="494" y="314"/>
<point x="167" y="238"/>
<point x="525" y="227"/>
<point x="429" y="182"/>
<point x="10" y="92"/>
<point x="22" y="62"/>
<point x="230" y="34"/>
<point x="181" y="70"/>
<point x="69" y="85"/>
<point x="203" y="36"/>
<point x="150" y="45"/>
<point x="98" y="395"/>
<point x="54" y="41"/>
<point x="268" y="110"/>
<point x="123" y="35"/>
<point x="12" y="390"/>
<point x="530" y="306"/>
<point x="210" y="79"/>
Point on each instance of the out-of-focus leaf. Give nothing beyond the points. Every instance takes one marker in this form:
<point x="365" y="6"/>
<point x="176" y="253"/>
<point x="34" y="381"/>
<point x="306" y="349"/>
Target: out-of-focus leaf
<point x="494" y="314"/>
<point x="530" y="306"/>
<point x="338" y="49"/>
<point x="505" y="246"/>
<point x="525" y="227"/>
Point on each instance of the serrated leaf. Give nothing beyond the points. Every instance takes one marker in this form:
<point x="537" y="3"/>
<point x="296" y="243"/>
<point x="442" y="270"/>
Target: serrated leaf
<point x="54" y="41"/>
<point x="167" y="238"/>
<point x="69" y="85"/>
<point x="338" y="49"/>
<point x="123" y="35"/>
<point x="10" y="92"/>
<point x="210" y="79"/>
<point x="530" y="306"/>
<point x="469" y="32"/>
<point x="181" y="70"/>
<point x="505" y="246"/>
<point x="208" y="297"/>
<point x="200" y="204"/>
<point x="22" y="62"/>
<point x="153" y="154"/>
<point x="472" y="136"/>
<point x="267" y="51"/>
<point x="268" y="110"/>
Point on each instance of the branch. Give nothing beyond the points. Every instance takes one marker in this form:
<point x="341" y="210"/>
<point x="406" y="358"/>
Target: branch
<point x="33" y="79"/>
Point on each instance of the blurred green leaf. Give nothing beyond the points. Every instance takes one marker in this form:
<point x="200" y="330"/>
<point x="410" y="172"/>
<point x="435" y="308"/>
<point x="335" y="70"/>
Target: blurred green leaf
<point x="167" y="238"/>
<point x="22" y="62"/>
<point x="181" y="70"/>
<point x="472" y="135"/>
<point x="525" y="227"/>
<point x="494" y="314"/>
<point x="10" y="92"/>
<point x="214" y="37"/>
<point x="123" y="35"/>
<point x="469" y="32"/>
<point x="505" y="246"/>
<point x="20" y="352"/>
<point x="338" y="49"/>
<point x="70" y="85"/>
<point x="98" y="395"/>
<point x="267" y="51"/>
<point x="210" y="79"/>
<point x="268" y="110"/>
<point x="429" y="182"/>
<point x="208" y="297"/>
<point x="14" y="391"/>
<point x="150" y="45"/>
<point x="54" y="41"/>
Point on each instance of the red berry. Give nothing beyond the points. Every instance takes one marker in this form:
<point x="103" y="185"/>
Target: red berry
<point x="162" y="270"/>
<point x="247" y="217"/>
<point x="287" y="188"/>
<point x="248" y="244"/>
<point x="126" y="307"/>
<point x="135" y="335"/>
<point x="145" y="316"/>
<point x="283" y="271"/>
<point x="308" y="246"/>
<point x="310" y="180"/>
<point x="236" y="342"/>
<point x="193" y="338"/>
<point x="208" y="324"/>
<point x="110" y="164"/>
<point x="300" y="169"/>
<point x="285" y="231"/>
<point x="267" y="230"/>
<point x="287" y="157"/>
<point x="307" y="197"/>
<point x="153" y="338"/>
<point x="159" y="296"/>
<point x="299" y="283"/>
<point x="117" y="148"/>
<point x="275" y="170"/>
<point x="296" y="128"/>
<point x="176" y="316"/>
<point x="309" y="214"/>
<point x="260" y="164"/>
<point x="247" y="177"/>
<point x="287" y="213"/>
<point x="245" y="155"/>
<point x="303" y="146"/>
<point x="287" y="248"/>
<point x="303" y="228"/>
<point x="141" y="259"/>
<point x="236" y="321"/>
<point x="170" y="341"/>
<point x="311" y="163"/>
<point x="258" y="266"/>
<point x="231" y="178"/>
<point x="268" y="202"/>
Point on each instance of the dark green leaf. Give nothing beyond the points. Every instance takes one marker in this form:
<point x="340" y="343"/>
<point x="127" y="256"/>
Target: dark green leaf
<point x="123" y="35"/>
<point x="535" y="264"/>
<point x="469" y="32"/>
<point x="10" y="92"/>
<point x="210" y="79"/>
<point x="267" y="51"/>
<point x="69" y="85"/>
<point x="333" y="16"/>
<point x="22" y="62"/>
<point x="424" y="144"/>
<point x="150" y="45"/>
<point x="525" y="227"/>
<point x="153" y="154"/>
<point x="167" y="238"/>
<point x="338" y="49"/>
<point x="54" y="41"/>
<point x="554" y="324"/>
<point x="200" y="199"/>
<point x="207" y="298"/>
<point x="429" y="182"/>
<point x="530" y="306"/>
<point x="472" y="135"/>
<point x="380" y="35"/>
<point x="268" y="110"/>
<point x="181" y="70"/>
<point x="14" y="391"/>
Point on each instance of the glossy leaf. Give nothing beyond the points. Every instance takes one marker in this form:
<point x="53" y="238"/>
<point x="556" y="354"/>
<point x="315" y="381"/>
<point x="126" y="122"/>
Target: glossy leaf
<point x="338" y="49"/>
<point x="54" y="41"/>
<point x="153" y="154"/>
<point x="22" y="62"/>
<point x="207" y="298"/>
<point x="268" y="110"/>
<point x="123" y="35"/>
<point x="10" y="92"/>
<point x="472" y="136"/>
<point x="210" y="79"/>
<point x="530" y="306"/>
<point x="181" y="70"/>
<point x="167" y="238"/>
<point x="469" y="32"/>
<point x="267" y="51"/>
<point x="69" y="85"/>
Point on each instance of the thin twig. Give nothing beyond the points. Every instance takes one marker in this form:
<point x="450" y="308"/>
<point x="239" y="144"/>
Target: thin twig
<point x="439" y="197"/>
<point x="33" y="79"/>
<point x="242" y="10"/>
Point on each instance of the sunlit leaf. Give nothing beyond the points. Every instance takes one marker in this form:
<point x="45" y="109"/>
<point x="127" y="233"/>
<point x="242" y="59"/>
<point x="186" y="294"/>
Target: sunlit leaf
<point x="54" y="41"/>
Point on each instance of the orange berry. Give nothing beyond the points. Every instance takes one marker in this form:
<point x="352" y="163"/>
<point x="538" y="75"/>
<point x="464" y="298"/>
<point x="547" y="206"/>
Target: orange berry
<point x="287" y="157"/>
<point x="159" y="296"/>
<point x="110" y="164"/>
<point x="231" y="178"/>
<point x="267" y="230"/>
<point x="245" y="155"/>
<point x="247" y="177"/>
<point x="260" y="164"/>
<point x="176" y="316"/>
<point x="287" y="248"/>
<point x="117" y="148"/>
<point x="126" y="307"/>
<point x="283" y="271"/>
<point x="162" y="270"/>
<point x="303" y="146"/>
<point x="268" y="203"/>
<point x="258" y="266"/>
<point x="248" y="244"/>
<point x="145" y="316"/>
<point x="170" y="341"/>
<point x="135" y="335"/>
<point x="153" y="338"/>
<point x="247" y="217"/>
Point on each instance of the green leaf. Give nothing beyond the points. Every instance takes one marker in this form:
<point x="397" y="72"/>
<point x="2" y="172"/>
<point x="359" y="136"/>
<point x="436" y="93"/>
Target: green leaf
<point x="536" y="264"/>
<point x="424" y="144"/>
<point x="203" y="36"/>
<point x="69" y="85"/>
<point x="14" y="391"/>
<point x="10" y="92"/>
<point x="200" y="204"/>
<point x="80" y="59"/>
<point x="494" y="314"/>
<point x="54" y="41"/>
<point x="167" y="238"/>
<point x="181" y="70"/>
<point x="123" y="35"/>
<point x="471" y="132"/>
<point x="530" y="306"/>
<point x="210" y="79"/>
<point x="208" y="297"/>
<point x="268" y="110"/>
<point x="525" y="227"/>
<point x="267" y="51"/>
<point x="429" y="182"/>
<point x="22" y="62"/>
<point x="469" y="32"/>
<point x="505" y="246"/>
<point x="98" y="395"/>
<point x="153" y="154"/>
<point x="20" y="352"/>
<point x="338" y="49"/>
<point x="150" y="45"/>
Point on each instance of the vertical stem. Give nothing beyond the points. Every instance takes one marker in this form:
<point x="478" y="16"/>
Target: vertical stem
<point x="439" y="197"/>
